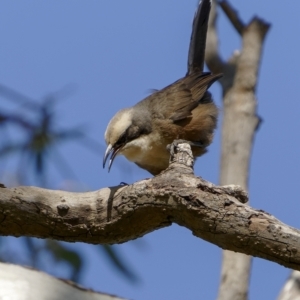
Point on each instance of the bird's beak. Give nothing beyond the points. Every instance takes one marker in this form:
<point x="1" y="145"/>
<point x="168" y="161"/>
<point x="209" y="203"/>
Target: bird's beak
<point x="113" y="151"/>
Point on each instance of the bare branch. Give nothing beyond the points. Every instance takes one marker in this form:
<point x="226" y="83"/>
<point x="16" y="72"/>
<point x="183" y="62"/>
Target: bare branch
<point x="248" y="65"/>
<point x="233" y="16"/>
<point x="122" y="213"/>
<point x="240" y="119"/>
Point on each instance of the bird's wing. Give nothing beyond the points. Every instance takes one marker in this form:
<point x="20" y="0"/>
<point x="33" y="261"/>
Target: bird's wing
<point x="177" y="101"/>
<point x="181" y="103"/>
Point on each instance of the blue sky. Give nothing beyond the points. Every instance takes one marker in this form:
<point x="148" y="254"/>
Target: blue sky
<point x="114" y="52"/>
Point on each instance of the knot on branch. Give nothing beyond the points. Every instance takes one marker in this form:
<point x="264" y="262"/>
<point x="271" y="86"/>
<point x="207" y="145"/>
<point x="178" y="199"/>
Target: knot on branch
<point x="62" y="209"/>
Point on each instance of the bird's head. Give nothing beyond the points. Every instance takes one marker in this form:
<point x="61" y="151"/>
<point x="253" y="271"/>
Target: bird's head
<point x="126" y="126"/>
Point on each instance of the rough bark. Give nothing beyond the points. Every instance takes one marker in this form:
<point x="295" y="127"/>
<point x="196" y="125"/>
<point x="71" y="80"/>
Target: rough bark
<point x="240" y="122"/>
<point x="118" y="214"/>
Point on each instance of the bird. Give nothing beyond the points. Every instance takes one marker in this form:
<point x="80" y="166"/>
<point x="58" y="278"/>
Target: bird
<point x="183" y="110"/>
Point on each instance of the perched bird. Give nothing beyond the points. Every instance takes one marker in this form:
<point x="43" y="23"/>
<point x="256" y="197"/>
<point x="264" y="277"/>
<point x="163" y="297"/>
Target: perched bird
<point x="183" y="110"/>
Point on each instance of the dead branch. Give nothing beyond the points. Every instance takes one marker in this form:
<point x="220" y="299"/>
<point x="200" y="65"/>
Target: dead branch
<point x="233" y="16"/>
<point x="122" y="213"/>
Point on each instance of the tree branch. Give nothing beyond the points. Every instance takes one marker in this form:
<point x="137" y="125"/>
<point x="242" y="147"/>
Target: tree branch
<point x="122" y="213"/>
<point x="233" y="16"/>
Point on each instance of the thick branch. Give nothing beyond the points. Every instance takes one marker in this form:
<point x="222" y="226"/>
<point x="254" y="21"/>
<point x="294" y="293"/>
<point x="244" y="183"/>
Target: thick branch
<point x="118" y="214"/>
<point x="240" y="119"/>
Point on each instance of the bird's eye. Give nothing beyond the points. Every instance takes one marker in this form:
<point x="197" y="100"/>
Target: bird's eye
<point x="131" y="133"/>
<point x="122" y="139"/>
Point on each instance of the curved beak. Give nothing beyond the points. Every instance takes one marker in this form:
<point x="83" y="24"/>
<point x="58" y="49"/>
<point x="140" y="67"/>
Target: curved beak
<point x="113" y="151"/>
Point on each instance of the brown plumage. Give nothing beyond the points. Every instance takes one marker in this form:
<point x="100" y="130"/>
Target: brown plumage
<point x="182" y="110"/>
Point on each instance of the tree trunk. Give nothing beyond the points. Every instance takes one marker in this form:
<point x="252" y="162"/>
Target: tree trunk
<point x="239" y="125"/>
